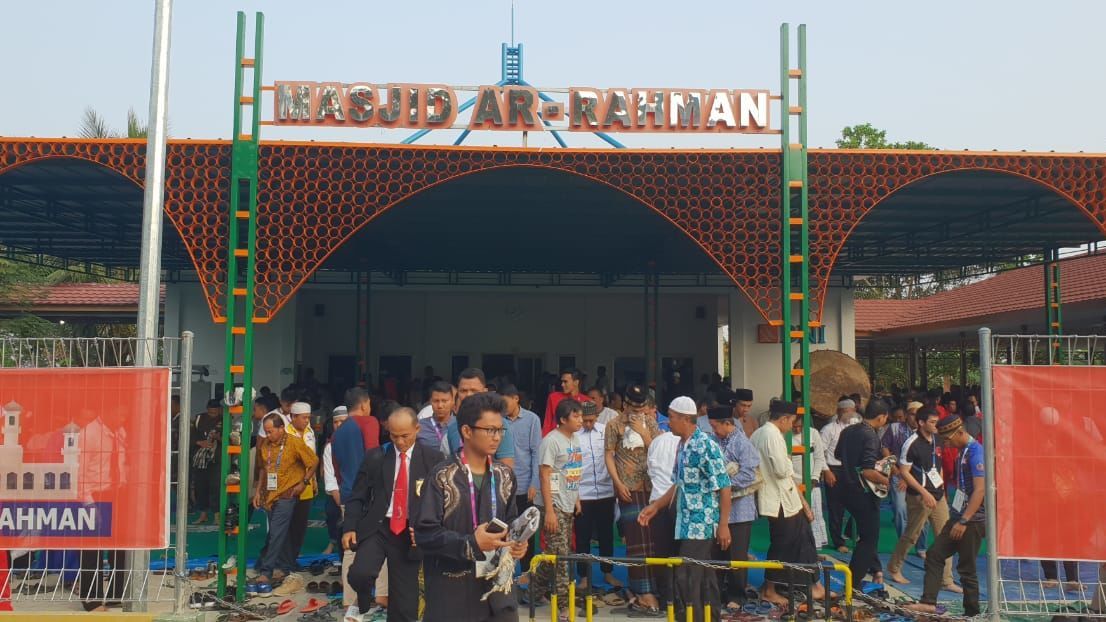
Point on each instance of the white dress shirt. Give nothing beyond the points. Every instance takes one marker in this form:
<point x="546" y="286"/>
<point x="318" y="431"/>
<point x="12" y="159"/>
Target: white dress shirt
<point x="830" y="433"/>
<point x="426" y="412"/>
<point x="595" y="480"/>
<point x="661" y="460"/>
<point x="779" y="489"/>
<point x="395" y="478"/>
<point x="817" y="456"/>
<point x="330" y="481"/>
<point x="606" y="415"/>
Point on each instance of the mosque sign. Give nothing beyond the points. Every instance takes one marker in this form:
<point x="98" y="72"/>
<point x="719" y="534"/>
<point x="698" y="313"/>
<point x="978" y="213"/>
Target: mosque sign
<point x="524" y="108"/>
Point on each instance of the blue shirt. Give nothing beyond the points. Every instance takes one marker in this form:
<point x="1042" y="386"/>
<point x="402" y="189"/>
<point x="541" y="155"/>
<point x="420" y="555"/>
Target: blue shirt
<point x="971" y="466"/>
<point x="347" y="449"/>
<point x="526" y="435"/>
<point x="434" y="435"/>
<point x="737" y="448"/>
<point x="662" y="423"/>
<point x="506" y="444"/>
<point x="699" y="473"/>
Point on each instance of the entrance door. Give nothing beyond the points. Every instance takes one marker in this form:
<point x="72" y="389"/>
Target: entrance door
<point x="395" y="376"/>
<point x="629" y="370"/>
<point x="498" y="366"/>
<point x="341" y="373"/>
<point x="531" y="367"/>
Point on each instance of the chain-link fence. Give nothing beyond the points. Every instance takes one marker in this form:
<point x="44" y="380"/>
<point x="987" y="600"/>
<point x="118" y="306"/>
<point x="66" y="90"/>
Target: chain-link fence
<point x="1052" y="365"/>
<point x="139" y="580"/>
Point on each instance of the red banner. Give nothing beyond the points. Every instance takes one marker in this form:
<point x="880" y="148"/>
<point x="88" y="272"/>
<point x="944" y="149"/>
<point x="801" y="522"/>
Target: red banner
<point x="84" y="458"/>
<point x="1050" y="461"/>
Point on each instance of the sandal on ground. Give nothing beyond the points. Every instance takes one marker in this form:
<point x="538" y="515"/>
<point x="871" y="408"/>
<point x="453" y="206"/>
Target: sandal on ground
<point x="637" y="610"/>
<point x="613" y="599"/>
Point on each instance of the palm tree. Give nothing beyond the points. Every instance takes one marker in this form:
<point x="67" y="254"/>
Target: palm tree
<point x="93" y="125"/>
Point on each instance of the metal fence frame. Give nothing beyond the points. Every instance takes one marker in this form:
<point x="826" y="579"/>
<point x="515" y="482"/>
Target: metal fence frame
<point x="120" y="352"/>
<point x="1043" y="350"/>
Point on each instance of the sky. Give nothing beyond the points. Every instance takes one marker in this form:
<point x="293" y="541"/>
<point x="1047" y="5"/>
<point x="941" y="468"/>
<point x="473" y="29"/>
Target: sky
<point x="964" y="74"/>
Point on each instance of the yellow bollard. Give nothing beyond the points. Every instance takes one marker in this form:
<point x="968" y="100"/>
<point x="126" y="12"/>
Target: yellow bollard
<point x="553" y="607"/>
<point x="690" y="614"/>
<point x="571" y="598"/>
<point x="706" y="612"/>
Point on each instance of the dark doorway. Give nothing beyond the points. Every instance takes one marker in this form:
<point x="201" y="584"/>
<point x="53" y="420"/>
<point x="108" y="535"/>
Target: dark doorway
<point x="530" y="370"/>
<point x="395" y="376"/>
<point x="341" y="373"/>
<point x="457" y="364"/>
<point x="498" y="366"/>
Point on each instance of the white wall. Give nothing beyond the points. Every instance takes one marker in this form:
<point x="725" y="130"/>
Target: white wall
<point x="186" y="309"/>
<point x="433" y="325"/>
<point x="430" y="325"/>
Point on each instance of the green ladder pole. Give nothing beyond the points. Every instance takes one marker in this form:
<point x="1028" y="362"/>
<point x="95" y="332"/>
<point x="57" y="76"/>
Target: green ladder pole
<point x="1052" y="304"/>
<point x="241" y="244"/>
<point x="795" y="324"/>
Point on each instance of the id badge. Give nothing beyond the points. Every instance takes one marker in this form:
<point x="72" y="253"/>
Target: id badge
<point x="555" y="483"/>
<point x="935" y="478"/>
<point x="958" y="501"/>
<point x="270" y="481"/>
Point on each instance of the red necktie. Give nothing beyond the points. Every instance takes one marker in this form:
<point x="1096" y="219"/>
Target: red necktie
<point x="399" y="497"/>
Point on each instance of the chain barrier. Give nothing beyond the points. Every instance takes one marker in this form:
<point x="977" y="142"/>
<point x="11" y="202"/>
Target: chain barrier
<point x="671" y="563"/>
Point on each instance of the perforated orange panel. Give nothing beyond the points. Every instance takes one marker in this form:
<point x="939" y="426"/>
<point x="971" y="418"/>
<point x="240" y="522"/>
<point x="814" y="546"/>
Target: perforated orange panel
<point x="846" y="185"/>
<point x="722" y="200"/>
<point x="312" y="197"/>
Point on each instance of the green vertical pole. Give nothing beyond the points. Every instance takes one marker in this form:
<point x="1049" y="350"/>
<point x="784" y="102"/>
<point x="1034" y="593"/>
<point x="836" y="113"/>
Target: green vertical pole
<point x="795" y="322"/>
<point x="240" y="298"/>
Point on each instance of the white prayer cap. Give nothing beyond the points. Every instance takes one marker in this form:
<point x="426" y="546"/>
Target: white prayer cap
<point x="301" y="408"/>
<point x="684" y="405"/>
<point x="846" y="404"/>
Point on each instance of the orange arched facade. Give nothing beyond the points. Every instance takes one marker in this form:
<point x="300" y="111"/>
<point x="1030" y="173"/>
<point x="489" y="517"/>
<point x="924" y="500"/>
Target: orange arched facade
<point x="314" y="196"/>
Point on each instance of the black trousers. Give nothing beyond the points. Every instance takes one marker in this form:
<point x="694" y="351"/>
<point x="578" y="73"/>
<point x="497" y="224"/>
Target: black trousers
<point x="457" y="596"/>
<point x="297" y="530"/>
<point x="1052" y="573"/>
<point x="333" y="521"/>
<point x="732" y="583"/>
<point x="596" y="519"/>
<point x="835" y="507"/>
<point x="204" y="485"/>
<point x="945" y="547"/>
<point x="865" y="511"/>
<point x="403" y="573"/>
<point x="662" y="529"/>
<point x="698" y="585"/>
<point x="791" y="541"/>
<point x="524" y="504"/>
<point x="90" y="579"/>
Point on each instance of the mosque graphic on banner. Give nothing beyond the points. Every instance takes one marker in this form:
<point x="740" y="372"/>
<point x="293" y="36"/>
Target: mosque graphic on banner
<point x="36" y="481"/>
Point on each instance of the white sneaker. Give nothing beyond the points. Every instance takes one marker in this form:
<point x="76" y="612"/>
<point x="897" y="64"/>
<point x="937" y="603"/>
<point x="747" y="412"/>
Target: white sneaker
<point x="353" y="614"/>
<point x="232" y="562"/>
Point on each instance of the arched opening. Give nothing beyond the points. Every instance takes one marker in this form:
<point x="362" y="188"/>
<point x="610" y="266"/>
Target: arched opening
<point x="521" y="271"/>
<point x="64" y="481"/>
<point x="48" y="481"/>
<point x="28" y="481"/>
<point x="11" y="481"/>
<point x="952" y="252"/>
<point x="78" y="223"/>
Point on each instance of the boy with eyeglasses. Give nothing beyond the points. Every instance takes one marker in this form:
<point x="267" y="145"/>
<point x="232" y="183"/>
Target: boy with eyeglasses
<point x="462" y="496"/>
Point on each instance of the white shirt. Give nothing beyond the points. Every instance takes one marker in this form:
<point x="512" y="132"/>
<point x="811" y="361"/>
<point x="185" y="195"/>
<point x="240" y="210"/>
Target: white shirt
<point x="606" y="415"/>
<point x="395" y="478"/>
<point x="817" y="456"/>
<point x="779" y="489"/>
<point x="595" y="480"/>
<point x="330" y="481"/>
<point x="661" y="460"/>
<point x="830" y="433"/>
<point x="426" y="412"/>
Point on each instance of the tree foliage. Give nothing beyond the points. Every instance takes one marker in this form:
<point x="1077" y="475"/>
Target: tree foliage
<point x="866" y="136"/>
<point x="93" y="125"/>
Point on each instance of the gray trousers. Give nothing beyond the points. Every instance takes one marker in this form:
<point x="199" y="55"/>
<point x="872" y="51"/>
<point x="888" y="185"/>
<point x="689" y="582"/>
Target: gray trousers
<point x="698" y="586"/>
<point x="276" y="555"/>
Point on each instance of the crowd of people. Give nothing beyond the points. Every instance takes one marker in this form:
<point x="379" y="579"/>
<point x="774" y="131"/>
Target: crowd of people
<point x="435" y="488"/>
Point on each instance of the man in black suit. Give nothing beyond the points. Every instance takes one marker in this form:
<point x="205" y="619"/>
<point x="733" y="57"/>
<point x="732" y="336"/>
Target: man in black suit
<point x="377" y="525"/>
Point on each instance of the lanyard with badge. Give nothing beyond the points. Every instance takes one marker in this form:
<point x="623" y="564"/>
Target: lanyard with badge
<point x="472" y="489"/>
<point x="959" y="499"/>
<point x="271" y="472"/>
<point x="934" y="475"/>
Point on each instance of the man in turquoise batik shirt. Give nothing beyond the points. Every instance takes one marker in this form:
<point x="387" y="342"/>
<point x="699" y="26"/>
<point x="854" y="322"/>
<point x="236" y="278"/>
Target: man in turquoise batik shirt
<point x="700" y="488"/>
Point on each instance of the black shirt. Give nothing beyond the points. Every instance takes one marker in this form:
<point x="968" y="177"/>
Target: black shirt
<point x="921" y="456"/>
<point x="858" y="449"/>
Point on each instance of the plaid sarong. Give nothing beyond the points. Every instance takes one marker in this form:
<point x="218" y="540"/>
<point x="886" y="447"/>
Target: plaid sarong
<point x="639" y="542"/>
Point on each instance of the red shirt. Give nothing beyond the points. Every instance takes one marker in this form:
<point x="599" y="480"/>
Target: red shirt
<point x="555" y="398"/>
<point x="370" y="430"/>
